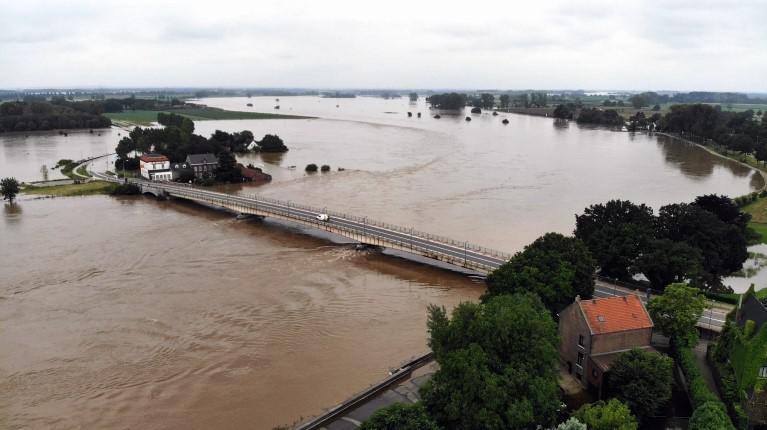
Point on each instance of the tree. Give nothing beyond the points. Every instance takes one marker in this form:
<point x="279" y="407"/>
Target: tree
<point x="555" y="267"/>
<point x="124" y="147"/>
<point x="400" y="416"/>
<point x="563" y="111"/>
<point x="505" y="100"/>
<point x="413" y="97"/>
<point x="451" y="101"/>
<point x="724" y="209"/>
<point x="487" y="100"/>
<point x="9" y="187"/>
<point x="761" y="152"/>
<point x="616" y="233"/>
<point x="272" y="143"/>
<point x="710" y="416"/>
<point x="722" y="245"/>
<point x="613" y="415"/>
<point x="311" y="168"/>
<point x="676" y="313"/>
<point x="572" y="424"/>
<point x="667" y="262"/>
<point x="227" y="170"/>
<point x="498" y="365"/>
<point x="642" y="380"/>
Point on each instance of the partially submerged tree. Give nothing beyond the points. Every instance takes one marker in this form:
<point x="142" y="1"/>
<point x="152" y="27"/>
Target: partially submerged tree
<point x="9" y="187"/>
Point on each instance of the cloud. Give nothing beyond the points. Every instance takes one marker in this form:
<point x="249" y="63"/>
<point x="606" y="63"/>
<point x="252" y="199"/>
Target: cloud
<point x="397" y="44"/>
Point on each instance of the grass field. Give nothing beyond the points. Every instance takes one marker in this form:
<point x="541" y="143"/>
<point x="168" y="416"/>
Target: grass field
<point x="83" y="171"/>
<point x="758" y="211"/>
<point x="85" y="189"/>
<point x="147" y="117"/>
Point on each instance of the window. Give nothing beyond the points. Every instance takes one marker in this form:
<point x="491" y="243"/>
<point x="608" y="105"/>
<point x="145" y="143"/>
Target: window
<point x="579" y="362"/>
<point x="763" y="372"/>
<point x="580" y="339"/>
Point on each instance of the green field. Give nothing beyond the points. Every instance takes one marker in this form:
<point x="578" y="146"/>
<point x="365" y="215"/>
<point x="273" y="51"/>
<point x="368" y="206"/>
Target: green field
<point x="138" y="117"/>
<point x="84" y="189"/>
<point x="147" y="117"/>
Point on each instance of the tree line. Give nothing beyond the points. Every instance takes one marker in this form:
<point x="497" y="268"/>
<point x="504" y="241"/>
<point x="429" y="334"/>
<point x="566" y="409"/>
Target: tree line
<point x="37" y="114"/>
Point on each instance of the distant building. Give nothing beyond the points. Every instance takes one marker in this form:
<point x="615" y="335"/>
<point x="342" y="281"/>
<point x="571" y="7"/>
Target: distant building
<point x="155" y="167"/>
<point x="253" y="173"/>
<point x="203" y="165"/>
<point x="593" y="333"/>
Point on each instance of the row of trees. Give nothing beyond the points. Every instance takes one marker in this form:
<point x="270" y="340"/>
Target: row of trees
<point x="650" y="98"/>
<point x="38" y="115"/>
<point x="701" y="242"/>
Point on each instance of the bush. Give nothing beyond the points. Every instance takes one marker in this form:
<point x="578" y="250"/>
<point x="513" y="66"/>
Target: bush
<point x="400" y="417"/>
<point x="699" y="391"/>
<point x="613" y="415"/>
<point x="311" y="168"/>
<point x="710" y="416"/>
<point x="126" y="190"/>
<point x="325" y="168"/>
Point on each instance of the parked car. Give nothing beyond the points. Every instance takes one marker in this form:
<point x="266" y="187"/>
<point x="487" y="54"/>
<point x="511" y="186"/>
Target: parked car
<point x="323" y="217"/>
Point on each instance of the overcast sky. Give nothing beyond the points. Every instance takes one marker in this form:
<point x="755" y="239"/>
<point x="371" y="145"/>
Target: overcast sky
<point x="676" y="45"/>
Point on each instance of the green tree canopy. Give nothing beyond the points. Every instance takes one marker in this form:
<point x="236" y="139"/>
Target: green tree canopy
<point x="451" y="101"/>
<point x="227" y="170"/>
<point x="498" y="365"/>
<point x="555" y="267"/>
<point x="667" y="262"/>
<point x="505" y="99"/>
<point x="613" y="415"/>
<point x="676" y="312"/>
<point x="642" y="380"/>
<point x="722" y="245"/>
<point x="572" y="424"/>
<point x="400" y="416"/>
<point x="616" y="233"/>
<point x="272" y="143"/>
<point x="710" y="416"/>
<point x="9" y="187"/>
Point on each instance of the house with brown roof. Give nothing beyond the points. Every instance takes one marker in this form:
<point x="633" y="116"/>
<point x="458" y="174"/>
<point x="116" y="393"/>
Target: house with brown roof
<point x="155" y="167"/>
<point x="593" y="333"/>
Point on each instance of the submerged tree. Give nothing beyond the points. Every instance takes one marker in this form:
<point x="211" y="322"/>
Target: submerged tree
<point x="9" y="187"/>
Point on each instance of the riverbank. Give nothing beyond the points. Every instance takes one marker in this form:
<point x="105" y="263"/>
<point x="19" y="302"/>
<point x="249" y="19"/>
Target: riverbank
<point x="71" y="190"/>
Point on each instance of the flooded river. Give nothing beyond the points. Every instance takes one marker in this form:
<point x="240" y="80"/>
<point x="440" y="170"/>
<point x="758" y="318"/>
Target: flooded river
<point x="133" y="313"/>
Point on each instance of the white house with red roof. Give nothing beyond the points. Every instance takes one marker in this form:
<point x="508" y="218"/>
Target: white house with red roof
<point x="155" y="167"/>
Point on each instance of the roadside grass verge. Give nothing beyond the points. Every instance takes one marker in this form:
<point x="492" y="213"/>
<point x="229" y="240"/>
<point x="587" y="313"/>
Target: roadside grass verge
<point x="83" y="171"/>
<point x="71" y="190"/>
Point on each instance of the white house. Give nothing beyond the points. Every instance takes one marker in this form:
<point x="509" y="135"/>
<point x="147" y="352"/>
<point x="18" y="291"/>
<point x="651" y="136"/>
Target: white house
<point x="155" y="167"/>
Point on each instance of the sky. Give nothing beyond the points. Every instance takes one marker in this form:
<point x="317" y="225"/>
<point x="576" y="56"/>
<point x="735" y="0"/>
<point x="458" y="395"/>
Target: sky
<point x="545" y="44"/>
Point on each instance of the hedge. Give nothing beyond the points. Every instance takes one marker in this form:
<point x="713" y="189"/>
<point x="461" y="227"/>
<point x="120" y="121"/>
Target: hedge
<point x="702" y="396"/>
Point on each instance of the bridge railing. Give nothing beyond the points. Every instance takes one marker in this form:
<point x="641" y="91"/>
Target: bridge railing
<point x="362" y="220"/>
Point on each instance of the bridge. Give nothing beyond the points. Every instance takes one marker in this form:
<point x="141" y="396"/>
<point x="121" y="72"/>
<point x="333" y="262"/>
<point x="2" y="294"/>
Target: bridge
<point x="360" y="229"/>
<point x="376" y="233"/>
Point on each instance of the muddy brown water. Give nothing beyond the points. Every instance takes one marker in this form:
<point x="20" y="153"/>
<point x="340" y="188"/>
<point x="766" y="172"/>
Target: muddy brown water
<point x="133" y="313"/>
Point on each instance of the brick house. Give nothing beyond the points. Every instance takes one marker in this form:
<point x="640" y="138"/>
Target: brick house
<point x="593" y="333"/>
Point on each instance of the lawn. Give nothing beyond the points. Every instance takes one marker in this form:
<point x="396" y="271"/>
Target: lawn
<point x="70" y="190"/>
<point x="758" y="211"/>
<point x="83" y="171"/>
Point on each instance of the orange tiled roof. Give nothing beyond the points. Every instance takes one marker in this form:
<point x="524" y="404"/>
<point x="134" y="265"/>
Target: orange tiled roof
<point x="615" y="314"/>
